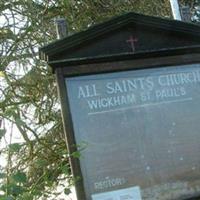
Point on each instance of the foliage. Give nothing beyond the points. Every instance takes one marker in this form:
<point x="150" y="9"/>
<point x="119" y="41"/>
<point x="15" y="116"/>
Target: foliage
<point x="194" y="7"/>
<point x="195" y="10"/>
<point x="28" y="99"/>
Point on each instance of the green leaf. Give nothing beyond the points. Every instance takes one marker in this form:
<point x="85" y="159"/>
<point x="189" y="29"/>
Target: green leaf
<point x="10" y="111"/>
<point x="15" y="147"/>
<point x="9" y="198"/>
<point x="12" y="189"/>
<point x="15" y="190"/>
<point x="65" y="169"/>
<point x="2" y="132"/>
<point x="26" y="196"/>
<point x="19" y="177"/>
<point x="41" y="163"/>
<point x="2" y="175"/>
<point x="19" y="122"/>
<point x="2" y="74"/>
<point x="67" y="191"/>
<point x="76" y="154"/>
<point x="6" y="198"/>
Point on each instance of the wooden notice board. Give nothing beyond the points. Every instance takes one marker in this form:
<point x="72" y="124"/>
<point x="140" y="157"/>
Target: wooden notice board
<point x="130" y="96"/>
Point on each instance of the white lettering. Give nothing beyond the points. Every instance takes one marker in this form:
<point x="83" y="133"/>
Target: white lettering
<point x="81" y="93"/>
<point x="110" y="102"/>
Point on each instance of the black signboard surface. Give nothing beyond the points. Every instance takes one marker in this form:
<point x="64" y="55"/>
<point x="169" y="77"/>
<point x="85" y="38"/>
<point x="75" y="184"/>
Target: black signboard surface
<point x="139" y="130"/>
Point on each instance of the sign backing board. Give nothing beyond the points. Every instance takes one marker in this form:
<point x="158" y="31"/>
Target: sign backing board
<point x="138" y="128"/>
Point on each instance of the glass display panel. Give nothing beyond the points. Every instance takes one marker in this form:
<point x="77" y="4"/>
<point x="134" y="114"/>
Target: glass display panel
<point x="138" y="129"/>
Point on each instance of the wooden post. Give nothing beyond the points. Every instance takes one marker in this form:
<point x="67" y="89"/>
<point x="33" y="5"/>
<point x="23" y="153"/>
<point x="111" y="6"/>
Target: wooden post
<point x="61" y="28"/>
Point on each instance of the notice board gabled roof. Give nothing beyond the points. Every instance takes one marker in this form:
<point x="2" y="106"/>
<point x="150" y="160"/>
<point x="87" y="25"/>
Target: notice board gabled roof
<point x="128" y="36"/>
